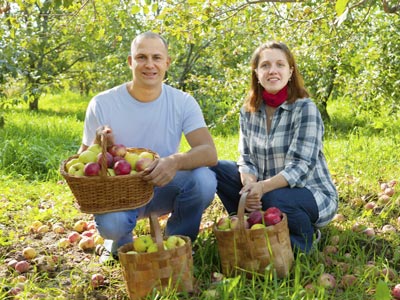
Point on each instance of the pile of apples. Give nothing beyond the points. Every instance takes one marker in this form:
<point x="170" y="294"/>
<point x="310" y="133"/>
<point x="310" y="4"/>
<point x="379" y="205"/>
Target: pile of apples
<point x="119" y="161"/>
<point x="146" y="244"/>
<point x="255" y="220"/>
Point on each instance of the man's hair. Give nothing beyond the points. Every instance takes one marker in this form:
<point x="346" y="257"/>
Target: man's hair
<point x="149" y="35"/>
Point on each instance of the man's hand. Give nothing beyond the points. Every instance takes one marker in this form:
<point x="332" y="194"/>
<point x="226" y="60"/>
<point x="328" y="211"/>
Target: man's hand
<point x="161" y="171"/>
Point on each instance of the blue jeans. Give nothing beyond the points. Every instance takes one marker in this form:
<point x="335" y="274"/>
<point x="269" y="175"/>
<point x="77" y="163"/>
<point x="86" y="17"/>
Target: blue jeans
<point x="297" y="203"/>
<point x="185" y="197"/>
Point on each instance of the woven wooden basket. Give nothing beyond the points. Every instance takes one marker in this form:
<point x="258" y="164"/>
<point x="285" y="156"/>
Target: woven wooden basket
<point x="162" y="270"/>
<point x="252" y="250"/>
<point x="101" y="194"/>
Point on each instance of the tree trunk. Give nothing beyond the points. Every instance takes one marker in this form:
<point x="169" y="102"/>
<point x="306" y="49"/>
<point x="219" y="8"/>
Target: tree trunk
<point x="34" y="103"/>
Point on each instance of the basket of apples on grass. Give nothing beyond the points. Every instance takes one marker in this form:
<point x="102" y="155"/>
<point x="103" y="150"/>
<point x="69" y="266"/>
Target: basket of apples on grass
<point x="156" y="262"/>
<point x="106" y="178"/>
<point x="251" y="243"/>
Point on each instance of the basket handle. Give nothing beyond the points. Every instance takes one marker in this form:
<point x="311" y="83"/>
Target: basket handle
<point x="241" y="208"/>
<point x="155" y="231"/>
<point x="103" y="162"/>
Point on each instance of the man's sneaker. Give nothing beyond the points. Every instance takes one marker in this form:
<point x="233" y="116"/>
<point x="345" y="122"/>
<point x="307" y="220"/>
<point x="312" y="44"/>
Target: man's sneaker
<point x="106" y="257"/>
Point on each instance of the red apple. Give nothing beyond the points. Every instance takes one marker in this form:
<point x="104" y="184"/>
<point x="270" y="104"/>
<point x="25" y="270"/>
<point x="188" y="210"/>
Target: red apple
<point x="396" y="291"/>
<point x="92" y="169"/>
<point x="122" y="167"/>
<point x="348" y="280"/>
<point x="255" y="217"/>
<point x="389" y="191"/>
<point x="117" y="150"/>
<point x="272" y="218"/>
<point x="142" y="163"/>
<point x="116" y="158"/>
<point x="86" y="243"/>
<point x="22" y="266"/>
<point x="74" y="237"/>
<point x="97" y="280"/>
<point x="109" y="159"/>
<point x="274" y="210"/>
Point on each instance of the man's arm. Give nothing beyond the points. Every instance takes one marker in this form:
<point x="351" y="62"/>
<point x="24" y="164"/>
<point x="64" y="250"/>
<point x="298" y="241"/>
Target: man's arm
<point x="202" y="153"/>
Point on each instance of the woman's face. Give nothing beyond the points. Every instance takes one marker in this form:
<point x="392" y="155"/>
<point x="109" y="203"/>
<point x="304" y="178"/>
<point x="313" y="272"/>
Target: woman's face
<point x="273" y="70"/>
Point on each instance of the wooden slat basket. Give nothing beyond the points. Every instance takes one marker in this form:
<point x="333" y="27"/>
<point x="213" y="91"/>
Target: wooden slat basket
<point x="162" y="270"/>
<point x="103" y="193"/>
<point x="252" y="250"/>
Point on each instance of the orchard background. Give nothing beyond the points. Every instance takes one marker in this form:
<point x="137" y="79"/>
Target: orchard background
<point x="55" y="55"/>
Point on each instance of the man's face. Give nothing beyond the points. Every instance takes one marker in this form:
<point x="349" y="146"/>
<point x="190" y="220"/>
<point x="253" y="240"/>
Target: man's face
<point x="149" y="61"/>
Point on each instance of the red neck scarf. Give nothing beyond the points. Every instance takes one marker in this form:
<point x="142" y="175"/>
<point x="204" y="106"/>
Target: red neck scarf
<point x="277" y="99"/>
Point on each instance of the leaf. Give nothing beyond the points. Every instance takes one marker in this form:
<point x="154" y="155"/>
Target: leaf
<point x="340" y="6"/>
<point x="382" y="291"/>
<point x="135" y="9"/>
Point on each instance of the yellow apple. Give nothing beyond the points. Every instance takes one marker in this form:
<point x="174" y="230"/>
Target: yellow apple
<point x="96" y="148"/>
<point x="257" y="226"/>
<point x="174" y="241"/>
<point x="141" y="243"/>
<point x="29" y="252"/>
<point x="80" y="226"/>
<point x="146" y="154"/>
<point x="152" y="248"/>
<point x="87" y="157"/>
<point x="71" y="162"/>
<point x="77" y="169"/>
<point x="131" y="158"/>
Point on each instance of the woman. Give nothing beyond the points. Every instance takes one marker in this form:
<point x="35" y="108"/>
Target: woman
<point x="281" y="159"/>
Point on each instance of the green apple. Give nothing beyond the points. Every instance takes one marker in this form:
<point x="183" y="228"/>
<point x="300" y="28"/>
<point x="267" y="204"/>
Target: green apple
<point x="257" y="226"/>
<point x="131" y="158"/>
<point x="174" y="241"/>
<point x="87" y="157"/>
<point x="110" y="172"/>
<point x="76" y="169"/>
<point x="133" y="172"/>
<point x="71" y="162"/>
<point x="146" y="154"/>
<point x="224" y="223"/>
<point x="141" y="243"/>
<point x="96" y="148"/>
<point x="152" y="248"/>
<point x="131" y="252"/>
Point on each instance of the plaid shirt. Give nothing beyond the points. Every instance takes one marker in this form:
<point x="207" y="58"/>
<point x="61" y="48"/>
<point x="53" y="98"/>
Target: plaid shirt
<point x="293" y="148"/>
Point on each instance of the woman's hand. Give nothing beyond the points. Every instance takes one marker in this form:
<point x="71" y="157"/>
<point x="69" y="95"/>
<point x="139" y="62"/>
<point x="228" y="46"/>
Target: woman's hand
<point x="255" y="193"/>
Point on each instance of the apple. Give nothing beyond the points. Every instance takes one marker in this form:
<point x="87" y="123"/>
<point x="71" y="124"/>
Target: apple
<point x="43" y="229"/>
<point x="388" y="228"/>
<point x="29" y="253"/>
<point x="71" y="162"/>
<point x="22" y="266"/>
<point x="96" y="148"/>
<point x="74" y="236"/>
<point x="131" y="252"/>
<point x="234" y="222"/>
<point x="35" y="225"/>
<point x="327" y="281"/>
<point x="152" y="248"/>
<point x="98" y="239"/>
<point x="117" y="158"/>
<point x="97" y="280"/>
<point x="122" y="167"/>
<point x="146" y="154"/>
<point x="77" y="169"/>
<point x="58" y="228"/>
<point x="255" y="217"/>
<point x="389" y="191"/>
<point x="174" y="241"/>
<point x="396" y="291"/>
<point x="92" y="169"/>
<point x="257" y="226"/>
<point x="348" y="280"/>
<point x="11" y="264"/>
<point x="86" y="243"/>
<point x="274" y="210"/>
<point x="131" y="158"/>
<point x="87" y="157"/>
<point x="369" y="231"/>
<point x="142" y="163"/>
<point x="109" y="159"/>
<point x="370" y="205"/>
<point x="63" y="243"/>
<point x="141" y="243"/>
<point x="224" y="223"/>
<point x="272" y="218"/>
<point x="80" y="226"/>
<point x="338" y="218"/>
<point x="15" y="290"/>
<point x="110" y="172"/>
<point x="117" y="150"/>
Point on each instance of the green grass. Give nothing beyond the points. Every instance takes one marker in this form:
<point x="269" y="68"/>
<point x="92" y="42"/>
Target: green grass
<point x="361" y="150"/>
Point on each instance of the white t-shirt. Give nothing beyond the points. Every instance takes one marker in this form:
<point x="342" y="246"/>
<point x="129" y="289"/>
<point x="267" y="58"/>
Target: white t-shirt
<point x="156" y="125"/>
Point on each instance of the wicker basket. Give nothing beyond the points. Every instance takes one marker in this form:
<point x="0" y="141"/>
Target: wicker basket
<point x="101" y="194"/>
<point x="162" y="270"/>
<point x="252" y="250"/>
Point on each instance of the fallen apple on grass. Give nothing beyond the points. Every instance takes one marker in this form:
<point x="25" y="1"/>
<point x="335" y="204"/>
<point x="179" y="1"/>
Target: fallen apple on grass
<point x="327" y="281"/>
<point x="63" y="243"/>
<point x="29" y="252"/>
<point x="80" y="226"/>
<point x="97" y="280"/>
<point x="396" y="291"/>
<point x="22" y="266"/>
<point x="86" y="243"/>
<point x="74" y="237"/>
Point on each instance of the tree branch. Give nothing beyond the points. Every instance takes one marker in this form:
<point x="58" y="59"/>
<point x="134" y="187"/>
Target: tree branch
<point x="390" y="10"/>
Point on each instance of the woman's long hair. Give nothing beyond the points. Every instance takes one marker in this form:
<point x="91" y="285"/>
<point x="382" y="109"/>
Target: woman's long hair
<point x="296" y="89"/>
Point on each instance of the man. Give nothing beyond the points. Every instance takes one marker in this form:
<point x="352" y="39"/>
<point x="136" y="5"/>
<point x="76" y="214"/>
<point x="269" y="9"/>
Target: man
<point x="148" y="113"/>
